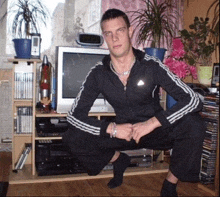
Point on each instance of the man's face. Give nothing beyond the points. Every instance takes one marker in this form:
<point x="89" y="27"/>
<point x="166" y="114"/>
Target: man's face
<point x="117" y="36"/>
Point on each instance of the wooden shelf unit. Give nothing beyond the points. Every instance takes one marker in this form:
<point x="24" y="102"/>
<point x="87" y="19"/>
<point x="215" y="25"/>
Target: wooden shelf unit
<point x="28" y="173"/>
<point x="54" y="114"/>
<point x="25" y="175"/>
<point x="19" y="139"/>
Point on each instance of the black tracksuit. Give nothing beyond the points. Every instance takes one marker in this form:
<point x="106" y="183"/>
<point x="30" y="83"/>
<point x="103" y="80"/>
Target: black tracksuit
<point x="182" y="128"/>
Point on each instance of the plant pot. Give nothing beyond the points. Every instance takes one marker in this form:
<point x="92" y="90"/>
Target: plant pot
<point x="204" y="74"/>
<point x="156" y="52"/>
<point x="22" y="48"/>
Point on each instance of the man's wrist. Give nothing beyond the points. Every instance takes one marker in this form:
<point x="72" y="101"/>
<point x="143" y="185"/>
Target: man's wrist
<point x="114" y="130"/>
<point x="155" y="122"/>
<point x="109" y="128"/>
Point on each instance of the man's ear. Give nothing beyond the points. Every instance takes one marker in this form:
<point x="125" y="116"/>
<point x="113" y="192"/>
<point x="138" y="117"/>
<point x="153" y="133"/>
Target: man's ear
<point x="131" y="31"/>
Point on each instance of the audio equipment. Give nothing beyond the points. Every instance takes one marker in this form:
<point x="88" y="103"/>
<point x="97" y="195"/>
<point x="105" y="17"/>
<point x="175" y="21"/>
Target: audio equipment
<point x="88" y="39"/>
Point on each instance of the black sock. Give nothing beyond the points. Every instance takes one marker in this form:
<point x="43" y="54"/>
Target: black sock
<point x="168" y="189"/>
<point x="119" y="166"/>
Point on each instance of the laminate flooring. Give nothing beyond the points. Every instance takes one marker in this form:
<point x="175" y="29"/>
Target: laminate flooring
<point x="140" y="185"/>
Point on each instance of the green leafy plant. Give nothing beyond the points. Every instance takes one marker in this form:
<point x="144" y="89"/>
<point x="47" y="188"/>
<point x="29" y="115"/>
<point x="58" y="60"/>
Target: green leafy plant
<point x="197" y="45"/>
<point x="155" y="23"/>
<point x="27" y="15"/>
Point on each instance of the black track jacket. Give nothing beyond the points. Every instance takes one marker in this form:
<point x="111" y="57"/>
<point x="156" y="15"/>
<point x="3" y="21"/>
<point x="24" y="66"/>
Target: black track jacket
<point x="138" y="102"/>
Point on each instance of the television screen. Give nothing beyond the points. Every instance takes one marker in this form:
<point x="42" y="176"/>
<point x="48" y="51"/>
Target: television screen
<point x="73" y="65"/>
<point x="75" y="69"/>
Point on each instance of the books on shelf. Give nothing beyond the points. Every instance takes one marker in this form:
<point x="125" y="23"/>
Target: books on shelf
<point x="23" y="157"/>
<point x="23" y="120"/>
<point x="23" y="85"/>
<point x="23" y="81"/>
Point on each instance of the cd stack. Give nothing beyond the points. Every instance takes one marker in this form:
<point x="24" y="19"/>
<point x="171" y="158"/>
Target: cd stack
<point x="210" y="114"/>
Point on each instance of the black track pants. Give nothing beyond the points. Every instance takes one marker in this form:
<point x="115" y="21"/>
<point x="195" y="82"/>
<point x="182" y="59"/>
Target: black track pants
<point x="185" y="137"/>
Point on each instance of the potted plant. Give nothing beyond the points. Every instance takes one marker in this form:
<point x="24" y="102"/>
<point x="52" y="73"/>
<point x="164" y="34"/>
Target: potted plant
<point x="199" y="47"/>
<point x="155" y="23"/>
<point x="27" y="16"/>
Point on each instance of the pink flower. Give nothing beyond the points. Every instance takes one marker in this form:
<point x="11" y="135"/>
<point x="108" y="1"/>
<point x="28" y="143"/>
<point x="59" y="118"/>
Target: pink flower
<point x="175" y="62"/>
<point x="193" y="71"/>
<point x="178" y="53"/>
<point x="178" y="49"/>
<point x="177" y="44"/>
<point x="169" y="62"/>
<point x="180" y="69"/>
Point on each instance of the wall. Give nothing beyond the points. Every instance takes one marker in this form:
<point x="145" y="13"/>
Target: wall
<point x="5" y="107"/>
<point x="5" y="86"/>
<point x="194" y="8"/>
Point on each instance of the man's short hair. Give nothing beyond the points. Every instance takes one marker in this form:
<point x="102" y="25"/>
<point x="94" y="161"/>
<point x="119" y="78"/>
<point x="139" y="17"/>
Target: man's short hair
<point x="115" y="13"/>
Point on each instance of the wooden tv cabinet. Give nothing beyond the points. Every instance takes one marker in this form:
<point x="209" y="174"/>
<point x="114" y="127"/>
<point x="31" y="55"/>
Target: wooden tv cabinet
<point x="24" y="97"/>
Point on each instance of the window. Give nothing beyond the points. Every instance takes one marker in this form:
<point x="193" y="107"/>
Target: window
<point x="67" y="19"/>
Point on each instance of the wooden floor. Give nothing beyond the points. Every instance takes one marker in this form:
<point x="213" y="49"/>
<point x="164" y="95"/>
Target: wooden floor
<point x="140" y="185"/>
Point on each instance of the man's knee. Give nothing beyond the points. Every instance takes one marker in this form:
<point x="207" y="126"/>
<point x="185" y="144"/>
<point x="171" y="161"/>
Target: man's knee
<point x="191" y="125"/>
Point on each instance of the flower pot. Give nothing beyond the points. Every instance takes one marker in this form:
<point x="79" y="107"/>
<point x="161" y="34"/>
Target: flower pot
<point x="22" y="48"/>
<point x="204" y="74"/>
<point x="156" y="52"/>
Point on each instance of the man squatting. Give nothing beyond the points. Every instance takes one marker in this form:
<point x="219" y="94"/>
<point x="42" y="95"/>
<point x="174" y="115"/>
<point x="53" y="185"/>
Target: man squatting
<point x="130" y="80"/>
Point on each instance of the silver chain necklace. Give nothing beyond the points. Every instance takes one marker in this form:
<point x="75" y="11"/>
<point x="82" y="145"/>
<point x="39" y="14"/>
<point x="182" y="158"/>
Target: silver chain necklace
<point x="123" y="73"/>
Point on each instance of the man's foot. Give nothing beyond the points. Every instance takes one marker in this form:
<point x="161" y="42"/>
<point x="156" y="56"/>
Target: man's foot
<point x="168" y="189"/>
<point x="119" y="166"/>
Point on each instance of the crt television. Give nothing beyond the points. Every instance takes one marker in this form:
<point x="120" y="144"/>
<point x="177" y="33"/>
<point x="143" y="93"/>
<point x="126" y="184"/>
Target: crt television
<point x="73" y="64"/>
